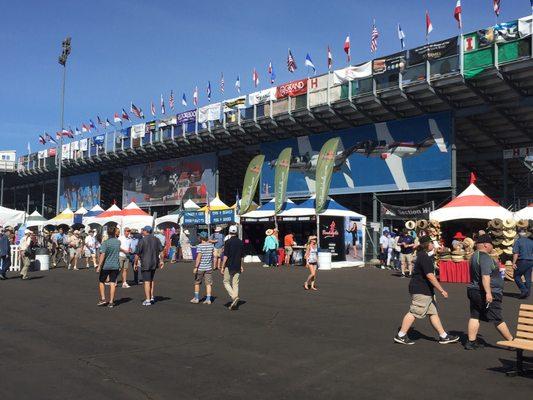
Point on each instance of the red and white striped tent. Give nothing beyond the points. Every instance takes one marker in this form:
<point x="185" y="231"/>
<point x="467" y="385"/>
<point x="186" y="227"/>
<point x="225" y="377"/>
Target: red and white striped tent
<point x="112" y="214"/>
<point x="472" y="203"/>
<point x="524" y="213"/>
<point x="134" y="217"/>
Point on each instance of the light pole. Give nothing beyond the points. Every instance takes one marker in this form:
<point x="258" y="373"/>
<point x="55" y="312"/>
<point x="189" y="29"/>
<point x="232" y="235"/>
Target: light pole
<point x="63" y="61"/>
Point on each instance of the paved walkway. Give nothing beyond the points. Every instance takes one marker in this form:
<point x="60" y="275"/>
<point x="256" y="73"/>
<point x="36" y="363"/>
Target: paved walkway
<point x="283" y="343"/>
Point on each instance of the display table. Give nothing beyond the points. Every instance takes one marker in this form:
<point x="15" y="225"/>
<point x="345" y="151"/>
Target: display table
<point x="456" y="272"/>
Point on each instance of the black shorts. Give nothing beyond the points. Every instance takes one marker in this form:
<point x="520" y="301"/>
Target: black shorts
<point x="148" y="276"/>
<point x="111" y="273"/>
<point x="478" y="306"/>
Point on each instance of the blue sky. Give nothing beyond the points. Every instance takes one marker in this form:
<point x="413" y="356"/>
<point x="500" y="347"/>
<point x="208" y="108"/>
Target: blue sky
<point x="137" y="49"/>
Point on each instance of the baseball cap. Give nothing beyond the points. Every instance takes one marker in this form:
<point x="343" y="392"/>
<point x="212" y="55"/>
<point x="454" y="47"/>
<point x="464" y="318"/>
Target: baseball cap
<point x="425" y="239"/>
<point x="233" y="229"/>
<point x="148" y="229"/>
<point x="484" y="239"/>
<point x="203" y="235"/>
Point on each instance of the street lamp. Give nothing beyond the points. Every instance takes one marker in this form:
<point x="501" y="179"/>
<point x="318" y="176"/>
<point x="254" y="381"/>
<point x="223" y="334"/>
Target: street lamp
<point x="63" y="61"/>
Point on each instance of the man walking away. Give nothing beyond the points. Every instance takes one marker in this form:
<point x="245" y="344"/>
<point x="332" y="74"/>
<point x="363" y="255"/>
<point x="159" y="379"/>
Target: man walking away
<point x="125" y="243"/>
<point x="485" y="293"/>
<point x="232" y="266"/>
<point x="5" y="254"/>
<point x="134" y="237"/>
<point x="407" y="247"/>
<point x="218" y="241"/>
<point x="150" y="252"/>
<point x="422" y="289"/>
<point x="108" y="266"/>
<point x="203" y="269"/>
<point x="384" y="242"/>
<point x="523" y="262"/>
<point x="175" y="246"/>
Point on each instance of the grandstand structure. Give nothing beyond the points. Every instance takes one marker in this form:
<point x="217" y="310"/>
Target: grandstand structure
<point x="484" y="80"/>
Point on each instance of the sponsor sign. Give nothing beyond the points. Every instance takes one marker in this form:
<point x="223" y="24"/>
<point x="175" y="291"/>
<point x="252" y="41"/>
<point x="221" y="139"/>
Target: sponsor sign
<point x="433" y="51"/>
<point x="350" y="73"/>
<point x="209" y="113"/>
<point x="520" y="152"/>
<point x="222" y="216"/>
<point x="264" y="96"/>
<point x="332" y="237"/>
<point x="186" y="117"/>
<point x="393" y="63"/>
<point x="193" y="218"/>
<point x="80" y="190"/>
<point x="137" y="131"/>
<point x="292" y="89"/>
<point x="421" y="211"/>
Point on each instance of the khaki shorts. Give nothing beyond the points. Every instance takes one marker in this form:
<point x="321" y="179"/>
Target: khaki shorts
<point x="422" y="305"/>
<point x="123" y="262"/>
<point x="218" y="252"/>
<point x="288" y="250"/>
<point x="406" y="258"/>
<point x="202" y="276"/>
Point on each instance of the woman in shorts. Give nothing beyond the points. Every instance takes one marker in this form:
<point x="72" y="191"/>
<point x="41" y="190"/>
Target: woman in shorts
<point x="311" y="258"/>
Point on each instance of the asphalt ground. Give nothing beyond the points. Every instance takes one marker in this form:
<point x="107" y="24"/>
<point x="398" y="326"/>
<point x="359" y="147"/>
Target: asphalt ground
<point x="283" y="342"/>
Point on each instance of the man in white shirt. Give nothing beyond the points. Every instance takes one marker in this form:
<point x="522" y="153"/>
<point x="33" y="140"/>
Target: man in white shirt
<point x="124" y="262"/>
<point x="25" y="249"/>
<point x="90" y="249"/>
<point x="384" y="243"/>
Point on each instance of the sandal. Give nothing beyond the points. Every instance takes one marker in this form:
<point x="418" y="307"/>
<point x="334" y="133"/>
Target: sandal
<point x="314" y="287"/>
<point x="306" y="286"/>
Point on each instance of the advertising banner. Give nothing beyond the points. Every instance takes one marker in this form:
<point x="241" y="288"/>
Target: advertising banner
<point x="482" y="38"/>
<point x="407" y="154"/>
<point x="251" y="180"/>
<point x="392" y="63"/>
<point x="222" y="216"/>
<point x="344" y="75"/>
<point x="209" y="113"/>
<point x="167" y="122"/>
<point x="138" y="131"/>
<point x="292" y="89"/>
<point x="433" y="51"/>
<point x="237" y="102"/>
<point x="354" y="238"/>
<point x="332" y="237"/>
<point x="263" y="96"/>
<point x="84" y="144"/>
<point x="194" y="218"/>
<point x="324" y="170"/>
<point x="169" y="182"/>
<point x="80" y="190"/>
<point x="281" y="176"/>
<point x="420" y="211"/>
<point x="186" y="117"/>
<point x="65" y="151"/>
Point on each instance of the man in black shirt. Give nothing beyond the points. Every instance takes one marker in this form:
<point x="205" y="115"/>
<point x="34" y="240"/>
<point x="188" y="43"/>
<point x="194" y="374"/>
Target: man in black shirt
<point x="151" y="255"/>
<point x="422" y="289"/>
<point x="232" y="266"/>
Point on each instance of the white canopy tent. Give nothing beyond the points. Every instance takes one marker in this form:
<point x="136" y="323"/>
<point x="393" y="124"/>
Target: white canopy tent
<point x="267" y="210"/>
<point x="112" y="214"/>
<point x="35" y="220"/>
<point x="176" y="216"/>
<point x="10" y="217"/>
<point x="524" y="213"/>
<point x="66" y="217"/>
<point x="134" y="217"/>
<point x="332" y="209"/>
<point x="472" y="203"/>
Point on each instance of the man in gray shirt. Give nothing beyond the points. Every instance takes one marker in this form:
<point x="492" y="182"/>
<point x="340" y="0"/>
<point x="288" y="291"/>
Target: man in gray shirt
<point x="151" y="255"/>
<point x="485" y="293"/>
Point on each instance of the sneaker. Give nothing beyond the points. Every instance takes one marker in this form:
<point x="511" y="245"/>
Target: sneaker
<point x="266" y="266"/>
<point x="2" y="277"/>
<point x="448" y="339"/>
<point x="152" y="300"/>
<point x="147" y="303"/>
<point x="403" y="340"/>
<point x="101" y="303"/>
<point x="234" y="303"/>
<point x="473" y="345"/>
<point x="111" y="305"/>
<point x="403" y="276"/>
<point x="125" y="285"/>
<point x="194" y="300"/>
<point x="207" y="301"/>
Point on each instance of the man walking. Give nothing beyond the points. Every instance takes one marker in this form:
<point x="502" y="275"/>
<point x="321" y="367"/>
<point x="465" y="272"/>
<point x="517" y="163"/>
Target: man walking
<point x="125" y="243"/>
<point x="150" y="253"/>
<point x="218" y="242"/>
<point x="288" y="243"/>
<point x="407" y="247"/>
<point x="5" y="254"/>
<point x="232" y="266"/>
<point x="384" y="242"/>
<point x="108" y="267"/>
<point x="485" y="293"/>
<point x="26" y="253"/>
<point x="523" y="262"/>
<point x="203" y="269"/>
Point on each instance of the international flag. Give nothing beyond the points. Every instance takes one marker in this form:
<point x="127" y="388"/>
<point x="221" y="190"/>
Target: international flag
<point x="100" y="122"/>
<point x="330" y="60"/>
<point x="70" y="132"/>
<point x="108" y="123"/>
<point x="222" y="83"/>
<point x="347" y="48"/>
<point x="291" y="64"/>
<point x="162" y="103"/>
<point x="136" y="110"/>
<point x="374" y="38"/>
<point x="309" y="63"/>
<point x="208" y="90"/>
<point x="42" y="140"/>
<point x="29" y="150"/>
<point x="238" y="84"/>
<point x="184" y="100"/>
<point x="125" y="115"/>
<point x="195" y="96"/>
<point x="85" y="128"/>
<point x="49" y="138"/>
<point x="429" y="25"/>
<point x="171" y="100"/>
<point x="497" y="7"/>
<point x="67" y="133"/>
<point x="91" y="124"/>
<point x="272" y="74"/>
<point x="457" y="13"/>
<point x="117" y="118"/>
<point x="77" y="132"/>
<point x="255" y="78"/>
<point x="152" y="108"/>
<point x="401" y="36"/>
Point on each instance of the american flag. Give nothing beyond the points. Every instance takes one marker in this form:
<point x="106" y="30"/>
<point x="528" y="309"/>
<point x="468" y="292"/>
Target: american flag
<point x="152" y="108"/>
<point x="125" y="115"/>
<point x="374" y="39"/>
<point x="137" y="111"/>
<point x="222" y="83"/>
<point x="171" y="100"/>
<point x="497" y="7"/>
<point x="291" y="64"/>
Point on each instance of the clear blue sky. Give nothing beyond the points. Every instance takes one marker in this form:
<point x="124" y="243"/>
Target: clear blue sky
<point x="137" y="49"/>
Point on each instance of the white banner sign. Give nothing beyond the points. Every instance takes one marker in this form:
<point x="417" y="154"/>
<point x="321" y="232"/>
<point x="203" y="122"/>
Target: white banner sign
<point x="263" y="96"/>
<point x="138" y="131"/>
<point x="209" y="113"/>
<point x="350" y="73"/>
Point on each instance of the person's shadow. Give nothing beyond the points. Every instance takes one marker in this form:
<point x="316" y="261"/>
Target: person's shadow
<point x="512" y="295"/>
<point x="161" y="298"/>
<point x="239" y="304"/>
<point x="122" y="300"/>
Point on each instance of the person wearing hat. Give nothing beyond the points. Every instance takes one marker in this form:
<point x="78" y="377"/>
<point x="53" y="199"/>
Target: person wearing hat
<point x="422" y="289"/>
<point x="311" y="258"/>
<point x="407" y="248"/>
<point x="485" y="293"/>
<point x="203" y="269"/>
<point x="523" y="262"/>
<point x="135" y="237"/>
<point x="150" y="253"/>
<point x="270" y="247"/>
<point x="124" y="261"/>
<point x="217" y="239"/>
<point x="5" y="254"/>
<point x="232" y="266"/>
<point x="384" y="243"/>
<point x="458" y="240"/>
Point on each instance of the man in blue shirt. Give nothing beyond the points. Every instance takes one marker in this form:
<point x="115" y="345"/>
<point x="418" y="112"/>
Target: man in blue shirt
<point x="523" y="262"/>
<point x="218" y="241"/>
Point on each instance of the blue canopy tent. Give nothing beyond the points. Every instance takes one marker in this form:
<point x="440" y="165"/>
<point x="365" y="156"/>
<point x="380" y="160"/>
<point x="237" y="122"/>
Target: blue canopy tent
<point x="266" y="211"/>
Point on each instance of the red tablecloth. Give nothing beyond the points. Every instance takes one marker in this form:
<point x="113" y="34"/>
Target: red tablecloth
<point x="457" y="272"/>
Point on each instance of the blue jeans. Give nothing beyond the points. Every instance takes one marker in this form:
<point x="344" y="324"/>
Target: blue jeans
<point x="270" y="257"/>
<point x="523" y="268"/>
<point x="5" y="263"/>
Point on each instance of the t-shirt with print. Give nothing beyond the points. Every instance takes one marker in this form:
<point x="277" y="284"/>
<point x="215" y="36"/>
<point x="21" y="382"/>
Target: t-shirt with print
<point x="483" y="264"/>
<point x="110" y="248"/>
<point x="206" y="260"/>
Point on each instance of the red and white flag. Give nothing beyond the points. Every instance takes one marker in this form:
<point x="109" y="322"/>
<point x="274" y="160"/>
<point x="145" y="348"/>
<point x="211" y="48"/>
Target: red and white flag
<point x="347" y="48"/>
<point x="195" y="96"/>
<point x="171" y="100"/>
<point x="117" y="118"/>
<point x="458" y="14"/>
<point x="85" y="128"/>
<point x="374" y="38"/>
<point x="429" y="25"/>
<point x="152" y="108"/>
<point x="330" y="60"/>
<point x="255" y="78"/>
<point x="497" y="7"/>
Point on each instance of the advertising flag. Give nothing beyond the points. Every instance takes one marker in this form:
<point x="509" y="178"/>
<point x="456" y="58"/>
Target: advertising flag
<point x="457" y="13"/>
<point x="251" y="180"/>
<point x="347" y="48"/>
<point x="324" y="170"/>
<point x="281" y="177"/>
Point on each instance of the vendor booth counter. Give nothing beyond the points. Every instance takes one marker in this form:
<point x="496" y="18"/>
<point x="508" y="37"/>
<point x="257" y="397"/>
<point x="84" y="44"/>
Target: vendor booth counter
<point x="454" y="272"/>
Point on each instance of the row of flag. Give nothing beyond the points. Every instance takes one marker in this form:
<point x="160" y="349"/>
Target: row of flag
<point x="119" y="118"/>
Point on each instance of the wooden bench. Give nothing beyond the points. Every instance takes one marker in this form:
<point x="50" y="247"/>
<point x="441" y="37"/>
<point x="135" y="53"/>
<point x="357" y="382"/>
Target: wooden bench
<point x="523" y="339"/>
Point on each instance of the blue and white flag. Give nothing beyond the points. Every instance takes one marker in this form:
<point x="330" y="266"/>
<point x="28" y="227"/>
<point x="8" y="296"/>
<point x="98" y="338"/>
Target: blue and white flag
<point x="309" y="63"/>
<point x="401" y="36"/>
<point x="208" y="90"/>
<point x="184" y="100"/>
<point x="238" y="84"/>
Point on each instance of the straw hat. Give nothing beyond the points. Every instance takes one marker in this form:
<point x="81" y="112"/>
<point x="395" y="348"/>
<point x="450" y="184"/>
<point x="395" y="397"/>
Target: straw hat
<point x="269" y="232"/>
<point x="494" y="253"/>
<point x="507" y="242"/>
<point x="498" y="251"/>
<point x="497" y="233"/>
<point x="422" y="224"/>
<point x="508" y="250"/>
<point x="509" y="223"/>
<point x="469" y="242"/>
<point x="496" y="223"/>
<point x="509" y="234"/>
<point x="508" y="263"/>
<point x="434" y="223"/>
<point x="457" y="258"/>
<point x="410" y="224"/>
<point x="523" y="223"/>
<point x="497" y="242"/>
<point x="458" y="253"/>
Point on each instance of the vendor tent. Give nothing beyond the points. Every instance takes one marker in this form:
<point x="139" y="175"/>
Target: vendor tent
<point x="134" y="217"/>
<point x="35" y="220"/>
<point x="10" y="217"/>
<point x="331" y="209"/>
<point x="267" y="210"/>
<point x="472" y="203"/>
<point x="112" y="214"/>
<point x="175" y="215"/>
<point x="78" y="215"/>
<point x="93" y="212"/>
<point x="215" y="205"/>
<point x="66" y="217"/>
<point x="524" y="213"/>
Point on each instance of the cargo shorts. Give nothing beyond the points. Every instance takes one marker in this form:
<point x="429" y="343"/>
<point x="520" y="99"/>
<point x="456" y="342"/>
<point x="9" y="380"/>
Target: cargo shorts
<point x="422" y="305"/>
